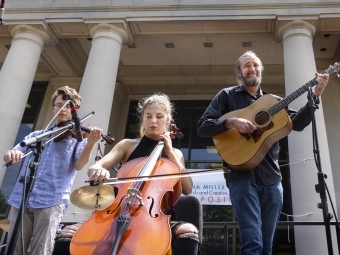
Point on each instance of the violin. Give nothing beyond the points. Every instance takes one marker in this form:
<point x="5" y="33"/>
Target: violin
<point x="137" y="221"/>
<point x="86" y="131"/>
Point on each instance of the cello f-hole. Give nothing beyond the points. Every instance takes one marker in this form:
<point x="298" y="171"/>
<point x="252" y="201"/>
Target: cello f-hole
<point x="151" y="207"/>
<point x="118" y="206"/>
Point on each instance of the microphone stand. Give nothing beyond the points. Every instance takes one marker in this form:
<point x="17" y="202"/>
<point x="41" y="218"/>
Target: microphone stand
<point x="321" y="186"/>
<point x="39" y="140"/>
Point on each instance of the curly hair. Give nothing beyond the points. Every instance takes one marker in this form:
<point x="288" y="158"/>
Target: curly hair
<point x="159" y="98"/>
<point x="67" y="94"/>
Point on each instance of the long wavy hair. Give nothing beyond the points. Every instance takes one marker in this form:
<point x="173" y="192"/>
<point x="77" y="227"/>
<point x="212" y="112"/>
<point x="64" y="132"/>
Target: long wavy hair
<point x="159" y="98"/>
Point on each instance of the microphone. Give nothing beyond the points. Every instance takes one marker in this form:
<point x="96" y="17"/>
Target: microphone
<point x="97" y="158"/>
<point x="76" y="121"/>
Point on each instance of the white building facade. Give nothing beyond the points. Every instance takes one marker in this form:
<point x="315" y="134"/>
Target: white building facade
<point x="115" y="52"/>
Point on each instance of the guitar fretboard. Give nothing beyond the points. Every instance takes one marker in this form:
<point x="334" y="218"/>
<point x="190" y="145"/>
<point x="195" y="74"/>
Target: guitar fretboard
<point x="291" y="97"/>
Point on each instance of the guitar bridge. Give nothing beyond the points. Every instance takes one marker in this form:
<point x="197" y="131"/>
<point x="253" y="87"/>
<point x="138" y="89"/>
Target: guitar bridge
<point x="257" y="134"/>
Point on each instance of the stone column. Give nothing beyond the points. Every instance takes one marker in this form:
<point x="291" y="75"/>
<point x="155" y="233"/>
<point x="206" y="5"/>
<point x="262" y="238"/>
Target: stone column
<point x="299" y="64"/>
<point x="97" y="88"/>
<point x="16" y="78"/>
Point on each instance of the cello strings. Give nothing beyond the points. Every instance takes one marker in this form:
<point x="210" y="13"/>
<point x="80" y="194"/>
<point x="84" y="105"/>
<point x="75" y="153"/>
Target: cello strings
<point x="147" y="167"/>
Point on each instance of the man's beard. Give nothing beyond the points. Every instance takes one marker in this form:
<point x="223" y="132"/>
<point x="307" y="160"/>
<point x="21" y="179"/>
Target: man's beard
<point x="250" y="81"/>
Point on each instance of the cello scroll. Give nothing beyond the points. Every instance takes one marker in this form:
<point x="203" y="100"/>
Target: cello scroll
<point x="174" y="132"/>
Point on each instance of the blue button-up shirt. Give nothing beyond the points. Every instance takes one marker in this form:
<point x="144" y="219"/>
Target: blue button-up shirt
<point x="54" y="175"/>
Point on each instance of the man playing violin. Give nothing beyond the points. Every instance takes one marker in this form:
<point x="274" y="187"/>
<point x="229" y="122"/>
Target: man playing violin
<point x="58" y="165"/>
<point x="155" y="113"/>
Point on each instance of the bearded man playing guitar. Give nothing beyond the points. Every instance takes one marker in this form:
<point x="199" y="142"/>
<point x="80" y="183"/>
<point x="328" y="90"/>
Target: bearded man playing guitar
<point x="254" y="182"/>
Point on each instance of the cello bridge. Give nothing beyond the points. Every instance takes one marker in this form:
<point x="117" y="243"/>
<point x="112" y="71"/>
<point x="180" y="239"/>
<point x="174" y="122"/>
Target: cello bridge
<point x="133" y="194"/>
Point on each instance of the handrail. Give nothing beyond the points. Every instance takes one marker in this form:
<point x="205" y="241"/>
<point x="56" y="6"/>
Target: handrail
<point x="290" y="223"/>
<point x="226" y="225"/>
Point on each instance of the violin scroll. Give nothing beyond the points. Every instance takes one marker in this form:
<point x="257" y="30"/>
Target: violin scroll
<point x="109" y="140"/>
<point x="86" y="130"/>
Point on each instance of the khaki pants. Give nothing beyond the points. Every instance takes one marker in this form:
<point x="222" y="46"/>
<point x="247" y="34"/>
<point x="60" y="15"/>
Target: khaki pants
<point x="39" y="228"/>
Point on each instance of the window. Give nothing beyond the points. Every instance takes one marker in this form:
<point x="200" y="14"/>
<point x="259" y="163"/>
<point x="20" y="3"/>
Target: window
<point x="28" y="121"/>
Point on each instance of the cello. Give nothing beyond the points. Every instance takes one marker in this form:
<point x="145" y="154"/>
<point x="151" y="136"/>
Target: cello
<point x="136" y="222"/>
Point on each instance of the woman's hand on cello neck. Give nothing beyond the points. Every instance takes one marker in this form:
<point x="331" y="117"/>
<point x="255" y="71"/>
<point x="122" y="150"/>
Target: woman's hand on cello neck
<point x="168" y="149"/>
<point x="177" y="156"/>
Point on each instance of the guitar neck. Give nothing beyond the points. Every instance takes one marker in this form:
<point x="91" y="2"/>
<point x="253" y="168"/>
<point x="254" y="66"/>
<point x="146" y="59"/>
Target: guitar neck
<point x="291" y="97"/>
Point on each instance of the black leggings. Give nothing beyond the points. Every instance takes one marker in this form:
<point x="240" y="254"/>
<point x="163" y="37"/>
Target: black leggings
<point x="183" y="245"/>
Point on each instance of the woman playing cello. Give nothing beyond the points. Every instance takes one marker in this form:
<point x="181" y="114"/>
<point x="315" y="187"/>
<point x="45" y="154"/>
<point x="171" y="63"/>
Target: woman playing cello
<point x="155" y="113"/>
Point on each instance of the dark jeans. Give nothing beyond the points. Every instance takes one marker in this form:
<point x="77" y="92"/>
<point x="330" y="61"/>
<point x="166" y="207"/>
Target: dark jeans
<point x="258" y="209"/>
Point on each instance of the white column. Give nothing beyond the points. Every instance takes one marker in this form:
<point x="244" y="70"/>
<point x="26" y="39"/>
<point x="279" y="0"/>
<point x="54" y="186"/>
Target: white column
<point x="299" y="64"/>
<point x="16" y="78"/>
<point x="97" y="89"/>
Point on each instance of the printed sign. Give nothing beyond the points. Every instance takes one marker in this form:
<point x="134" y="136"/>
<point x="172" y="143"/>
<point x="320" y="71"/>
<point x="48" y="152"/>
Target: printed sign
<point x="210" y="189"/>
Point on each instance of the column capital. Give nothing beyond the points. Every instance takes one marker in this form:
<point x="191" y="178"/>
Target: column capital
<point x="295" y="27"/>
<point x="72" y="82"/>
<point x="109" y="31"/>
<point x="31" y="33"/>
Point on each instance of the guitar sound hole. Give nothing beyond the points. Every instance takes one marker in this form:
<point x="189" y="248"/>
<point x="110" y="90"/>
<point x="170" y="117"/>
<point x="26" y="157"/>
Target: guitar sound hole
<point x="262" y="118"/>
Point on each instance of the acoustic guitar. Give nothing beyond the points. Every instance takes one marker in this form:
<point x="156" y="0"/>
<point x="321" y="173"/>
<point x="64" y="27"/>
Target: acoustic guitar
<point x="243" y="152"/>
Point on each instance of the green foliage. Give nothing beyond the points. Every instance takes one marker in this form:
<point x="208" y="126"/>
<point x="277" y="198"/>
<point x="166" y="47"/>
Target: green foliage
<point x="217" y="213"/>
<point x="213" y="238"/>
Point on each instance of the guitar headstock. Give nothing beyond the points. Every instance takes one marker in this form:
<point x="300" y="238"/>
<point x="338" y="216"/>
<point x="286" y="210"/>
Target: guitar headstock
<point x="334" y="69"/>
